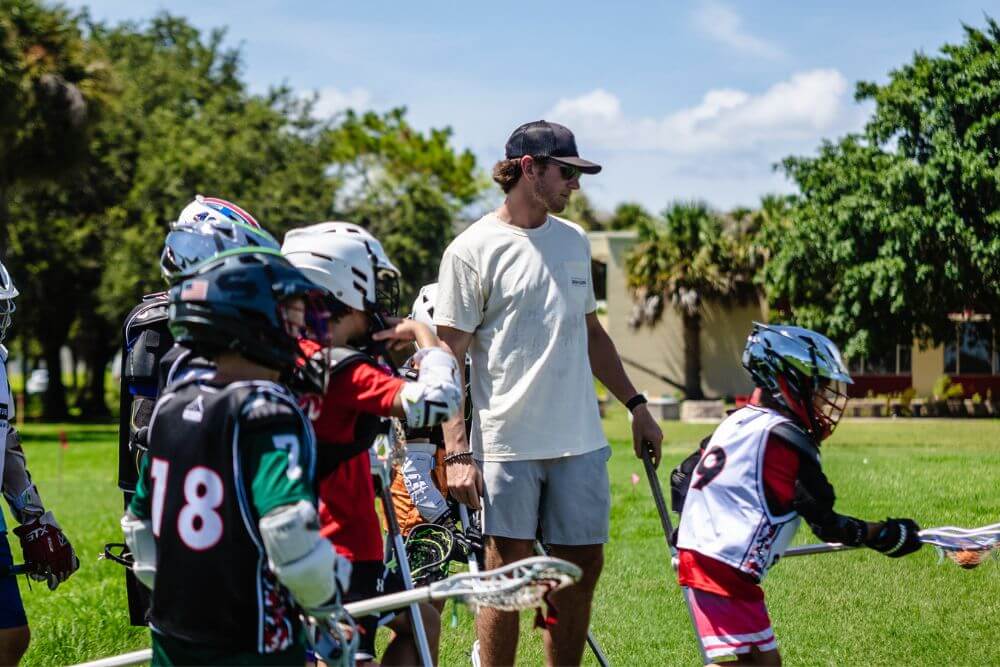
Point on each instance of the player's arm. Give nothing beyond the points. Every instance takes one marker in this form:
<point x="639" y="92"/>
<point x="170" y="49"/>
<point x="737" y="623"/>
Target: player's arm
<point x="278" y="453"/>
<point x="47" y="552"/>
<point x="138" y="528"/>
<point x="814" y="501"/>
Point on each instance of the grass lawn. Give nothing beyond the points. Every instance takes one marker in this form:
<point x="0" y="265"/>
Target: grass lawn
<point x="834" y="609"/>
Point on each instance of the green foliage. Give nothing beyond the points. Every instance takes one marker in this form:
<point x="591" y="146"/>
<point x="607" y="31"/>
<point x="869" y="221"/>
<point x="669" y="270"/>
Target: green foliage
<point x="182" y="121"/>
<point x="581" y="210"/>
<point x="688" y="255"/>
<point x="405" y="186"/>
<point x="628" y="215"/>
<point x="899" y="227"/>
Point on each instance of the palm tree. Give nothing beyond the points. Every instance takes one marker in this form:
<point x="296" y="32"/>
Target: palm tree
<point x="689" y="255"/>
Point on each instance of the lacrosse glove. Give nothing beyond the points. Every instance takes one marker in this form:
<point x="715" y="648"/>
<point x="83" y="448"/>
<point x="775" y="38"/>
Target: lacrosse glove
<point x="896" y="538"/>
<point x="47" y="553"/>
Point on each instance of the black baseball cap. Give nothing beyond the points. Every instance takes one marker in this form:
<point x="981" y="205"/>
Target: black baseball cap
<point x="540" y="138"/>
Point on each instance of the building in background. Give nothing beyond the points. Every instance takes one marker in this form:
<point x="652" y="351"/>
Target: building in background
<point x="655" y="355"/>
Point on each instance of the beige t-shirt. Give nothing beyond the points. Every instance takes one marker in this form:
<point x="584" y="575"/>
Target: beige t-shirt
<point x="524" y="295"/>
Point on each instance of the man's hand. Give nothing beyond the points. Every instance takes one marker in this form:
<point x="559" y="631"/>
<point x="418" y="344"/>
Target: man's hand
<point x="465" y="483"/>
<point x="47" y="553"/>
<point x="646" y="434"/>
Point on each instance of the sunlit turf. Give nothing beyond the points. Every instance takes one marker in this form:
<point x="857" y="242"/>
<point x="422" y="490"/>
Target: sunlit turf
<point x="835" y="609"/>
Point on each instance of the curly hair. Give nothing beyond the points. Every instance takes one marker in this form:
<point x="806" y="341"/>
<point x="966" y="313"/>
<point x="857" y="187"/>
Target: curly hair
<point x="507" y="173"/>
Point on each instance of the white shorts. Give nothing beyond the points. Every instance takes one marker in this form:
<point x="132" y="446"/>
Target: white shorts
<point x="563" y="501"/>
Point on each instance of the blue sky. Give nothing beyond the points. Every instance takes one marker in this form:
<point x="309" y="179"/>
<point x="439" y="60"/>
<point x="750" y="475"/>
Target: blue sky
<point x="677" y="100"/>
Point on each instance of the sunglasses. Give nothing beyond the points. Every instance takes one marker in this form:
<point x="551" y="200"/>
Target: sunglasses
<point x="567" y="172"/>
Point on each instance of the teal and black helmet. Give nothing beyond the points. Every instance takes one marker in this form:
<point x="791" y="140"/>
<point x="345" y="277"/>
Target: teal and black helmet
<point x="800" y="370"/>
<point x="235" y="302"/>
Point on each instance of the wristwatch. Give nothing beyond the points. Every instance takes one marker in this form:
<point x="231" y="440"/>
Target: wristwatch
<point x="635" y="402"/>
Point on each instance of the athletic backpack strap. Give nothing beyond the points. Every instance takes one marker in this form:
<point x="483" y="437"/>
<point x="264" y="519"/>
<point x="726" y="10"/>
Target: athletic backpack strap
<point x="799" y="439"/>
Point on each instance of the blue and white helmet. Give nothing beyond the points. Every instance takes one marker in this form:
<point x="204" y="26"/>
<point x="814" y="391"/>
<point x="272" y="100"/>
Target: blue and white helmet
<point x="802" y="371"/>
<point x="206" y="228"/>
<point x="8" y="292"/>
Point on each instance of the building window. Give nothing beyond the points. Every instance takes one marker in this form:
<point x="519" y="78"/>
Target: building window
<point x="973" y="351"/>
<point x="895" y="361"/>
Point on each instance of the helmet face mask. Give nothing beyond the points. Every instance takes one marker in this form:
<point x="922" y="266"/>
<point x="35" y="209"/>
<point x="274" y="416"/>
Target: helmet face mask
<point x="8" y="292"/>
<point x="800" y="370"/>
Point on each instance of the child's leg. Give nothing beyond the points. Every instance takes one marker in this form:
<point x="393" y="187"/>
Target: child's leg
<point x="730" y="627"/>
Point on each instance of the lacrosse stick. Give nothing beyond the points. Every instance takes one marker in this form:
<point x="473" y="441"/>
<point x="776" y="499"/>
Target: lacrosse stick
<point x="668" y="529"/>
<point x="523" y="584"/>
<point x="380" y="471"/>
<point x="602" y="659"/>
<point x="967" y="547"/>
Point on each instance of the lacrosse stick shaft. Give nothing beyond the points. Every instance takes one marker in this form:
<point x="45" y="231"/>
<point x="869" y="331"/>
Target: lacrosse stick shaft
<point x="595" y="647"/>
<point x="463" y="515"/>
<point x="416" y="619"/>
<point x="810" y="549"/>
<point x="668" y="529"/>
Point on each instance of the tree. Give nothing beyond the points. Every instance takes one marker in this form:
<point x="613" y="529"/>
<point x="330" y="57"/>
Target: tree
<point x="899" y="227"/>
<point x="629" y="215"/>
<point x="687" y="256"/>
<point x="407" y="187"/>
<point x="53" y="84"/>
<point x="581" y="210"/>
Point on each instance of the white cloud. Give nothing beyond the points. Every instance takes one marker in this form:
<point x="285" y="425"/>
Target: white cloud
<point x="805" y="107"/>
<point x="723" y="24"/>
<point x="332" y="100"/>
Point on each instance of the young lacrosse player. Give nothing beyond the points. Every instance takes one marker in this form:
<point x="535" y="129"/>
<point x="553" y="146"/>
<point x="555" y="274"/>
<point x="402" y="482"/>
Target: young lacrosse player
<point x="205" y="228"/>
<point x="360" y="394"/>
<point x="752" y="480"/>
<point x="419" y="492"/>
<point x="223" y="526"/>
<point x="48" y="555"/>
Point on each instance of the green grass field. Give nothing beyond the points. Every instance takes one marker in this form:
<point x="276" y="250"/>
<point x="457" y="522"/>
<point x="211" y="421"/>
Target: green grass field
<point x="834" y="609"/>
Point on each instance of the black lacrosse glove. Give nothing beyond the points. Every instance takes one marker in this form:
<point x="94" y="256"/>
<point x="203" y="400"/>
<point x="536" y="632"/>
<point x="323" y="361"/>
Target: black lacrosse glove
<point x="896" y="538"/>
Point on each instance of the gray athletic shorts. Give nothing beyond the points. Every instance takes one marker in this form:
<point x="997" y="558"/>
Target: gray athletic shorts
<point x="569" y="497"/>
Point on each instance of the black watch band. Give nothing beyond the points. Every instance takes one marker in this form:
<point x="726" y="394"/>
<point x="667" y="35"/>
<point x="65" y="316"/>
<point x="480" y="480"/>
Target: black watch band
<point x="635" y="402"/>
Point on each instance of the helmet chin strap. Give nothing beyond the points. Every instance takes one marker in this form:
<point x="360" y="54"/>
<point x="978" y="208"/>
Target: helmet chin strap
<point x="802" y="409"/>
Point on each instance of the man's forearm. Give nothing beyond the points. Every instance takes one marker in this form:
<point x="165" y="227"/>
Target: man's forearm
<point x="607" y="366"/>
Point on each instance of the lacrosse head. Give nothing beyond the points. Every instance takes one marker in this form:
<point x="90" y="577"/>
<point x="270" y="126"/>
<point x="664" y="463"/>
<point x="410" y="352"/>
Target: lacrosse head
<point x="524" y="584"/>
<point x="429" y="548"/>
<point x="333" y="638"/>
<point x="966" y="547"/>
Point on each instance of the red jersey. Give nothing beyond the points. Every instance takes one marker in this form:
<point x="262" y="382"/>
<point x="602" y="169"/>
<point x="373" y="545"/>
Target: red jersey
<point x="347" y="496"/>
<point x="781" y="468"/>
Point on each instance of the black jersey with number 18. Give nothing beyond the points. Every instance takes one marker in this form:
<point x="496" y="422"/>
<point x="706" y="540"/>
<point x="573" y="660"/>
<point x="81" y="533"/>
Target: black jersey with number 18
<point x="219" y="457"/>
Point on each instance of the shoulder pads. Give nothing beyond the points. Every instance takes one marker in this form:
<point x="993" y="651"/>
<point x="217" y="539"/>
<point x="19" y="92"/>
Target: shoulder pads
<point x="153" y="310"/>
<point x="344" y="357"/>
<point x="264" y="405"/>
<point x="798" y="438"/>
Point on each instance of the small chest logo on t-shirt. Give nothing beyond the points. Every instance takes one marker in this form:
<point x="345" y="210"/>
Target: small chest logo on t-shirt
<point x="3" y="412"/>
<point x="578" y="281"/>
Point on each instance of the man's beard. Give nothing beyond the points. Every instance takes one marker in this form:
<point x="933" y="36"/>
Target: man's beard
<point x="553" y="203"/>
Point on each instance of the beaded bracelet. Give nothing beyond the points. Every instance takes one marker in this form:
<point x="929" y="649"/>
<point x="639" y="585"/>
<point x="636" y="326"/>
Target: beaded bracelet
<point x="458" y="456"/>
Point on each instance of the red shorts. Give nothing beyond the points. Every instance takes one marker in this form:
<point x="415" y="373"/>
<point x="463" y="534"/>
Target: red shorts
<point x="728" y="626"/>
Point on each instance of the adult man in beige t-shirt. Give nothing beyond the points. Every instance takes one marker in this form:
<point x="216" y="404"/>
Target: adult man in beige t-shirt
<point x="515" y="292"/>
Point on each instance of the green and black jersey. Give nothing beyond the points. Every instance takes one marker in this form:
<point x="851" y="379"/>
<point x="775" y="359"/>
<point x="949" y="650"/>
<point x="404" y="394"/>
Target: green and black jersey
<point x="220" y="457"/>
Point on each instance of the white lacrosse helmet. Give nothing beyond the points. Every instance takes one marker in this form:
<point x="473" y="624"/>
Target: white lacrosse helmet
<point x="386" y="273"/>
<point x="7" y="294"/>
<point x="423" y="306"/>
<point x="344" y="265"/>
